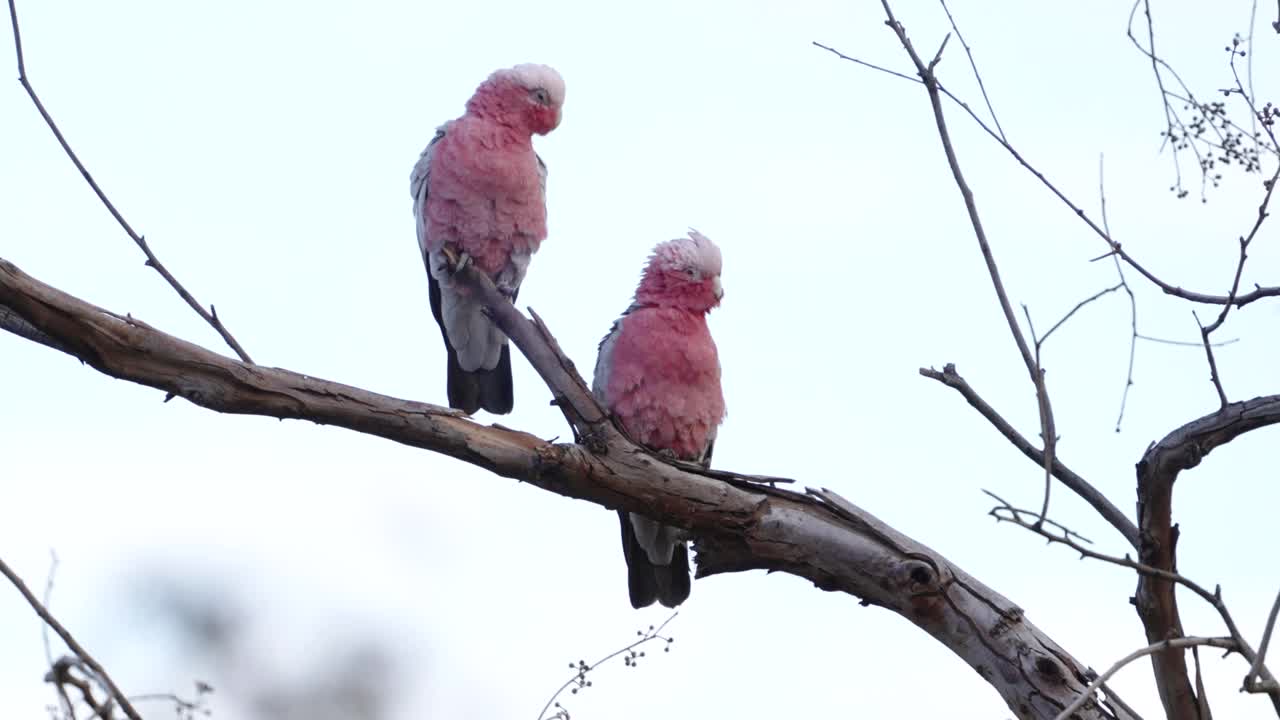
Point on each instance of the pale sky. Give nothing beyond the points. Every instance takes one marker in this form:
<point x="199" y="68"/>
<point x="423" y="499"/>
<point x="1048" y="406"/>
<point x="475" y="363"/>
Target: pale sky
<point x="265" y="148"/>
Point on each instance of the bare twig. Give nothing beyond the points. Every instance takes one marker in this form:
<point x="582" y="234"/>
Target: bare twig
<point x="1006" y="512"/>
<point x="1171" y="118"/>
<point x="1124" y="283"/>
<point x="1258" y="293"/>
<point x="973" y="64"/>
<point x="864" y="63"/>
<point x="1170" y="644"/>
<point x="1253" y="116"/>
<point x="1185" y="343"/>
<point x="67" y="706"/>
<point x="1032" y="362"/>
<point x="1213" y="364"/>
<point x="1109" y="512"/>
<point x="579" y="679"/>
<point x="67" y="638"/>
<point x="1048" y="435"/>
<point x="1075" y="309"/>
<point x="1251" y="681"/>
<point x="211" y="315"/>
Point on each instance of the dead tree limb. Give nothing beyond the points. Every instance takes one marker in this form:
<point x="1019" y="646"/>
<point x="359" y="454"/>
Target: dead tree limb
<point x="1155" y="600"/>
<point x="738" y="527"/>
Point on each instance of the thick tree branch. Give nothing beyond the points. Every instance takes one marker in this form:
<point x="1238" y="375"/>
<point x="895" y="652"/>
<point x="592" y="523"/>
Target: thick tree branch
<point x="1155" y="600"/>
<point x="738" y="526"/>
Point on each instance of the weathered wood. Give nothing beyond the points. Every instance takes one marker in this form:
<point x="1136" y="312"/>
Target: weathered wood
<point x="818" y="536"/>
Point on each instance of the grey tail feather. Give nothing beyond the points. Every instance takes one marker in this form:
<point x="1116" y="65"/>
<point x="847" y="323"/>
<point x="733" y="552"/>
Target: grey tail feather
<point x="470" y="391"/>
<point x="648" y="583"/>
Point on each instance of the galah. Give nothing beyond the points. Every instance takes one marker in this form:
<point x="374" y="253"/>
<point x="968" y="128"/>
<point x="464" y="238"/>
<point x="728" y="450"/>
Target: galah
<point x="479" y="189"/>
<point x="658" y="375"/>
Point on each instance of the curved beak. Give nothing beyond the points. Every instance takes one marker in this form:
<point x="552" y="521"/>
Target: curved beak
<point x="717" y="288"/>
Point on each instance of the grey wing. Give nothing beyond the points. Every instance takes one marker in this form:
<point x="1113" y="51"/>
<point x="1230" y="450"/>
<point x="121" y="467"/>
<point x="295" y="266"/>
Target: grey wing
<point x="418" y="181"/>
<point x="604" y="360"/>
<point x="542" y="174"/>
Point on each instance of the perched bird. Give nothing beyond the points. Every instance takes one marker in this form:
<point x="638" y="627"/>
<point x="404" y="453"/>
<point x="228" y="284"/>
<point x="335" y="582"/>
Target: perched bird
<point x="658" y="375"/>
<point x="480" y="189"/>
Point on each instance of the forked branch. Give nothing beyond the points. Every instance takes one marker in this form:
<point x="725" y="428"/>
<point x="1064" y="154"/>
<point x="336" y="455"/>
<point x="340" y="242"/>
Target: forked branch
<point x="738" y="525"/>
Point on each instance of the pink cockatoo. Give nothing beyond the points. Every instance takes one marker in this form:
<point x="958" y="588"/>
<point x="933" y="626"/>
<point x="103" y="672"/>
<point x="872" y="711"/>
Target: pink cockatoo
<point x="480" y="189"/>
<point x="658" y="374"/>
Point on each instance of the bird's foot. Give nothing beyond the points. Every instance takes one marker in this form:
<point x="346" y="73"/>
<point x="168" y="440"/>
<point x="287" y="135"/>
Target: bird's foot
<point x="457" y="261"/>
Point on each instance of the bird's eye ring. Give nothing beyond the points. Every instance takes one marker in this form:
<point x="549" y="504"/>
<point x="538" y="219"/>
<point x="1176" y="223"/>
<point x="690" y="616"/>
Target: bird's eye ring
<point x="540" y="96"/>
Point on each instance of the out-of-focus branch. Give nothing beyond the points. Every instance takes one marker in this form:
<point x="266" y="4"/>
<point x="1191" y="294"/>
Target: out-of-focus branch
<point x="1163" y="645"/>
<point x="211" y="315"/>
<point x="82" y="654"/>
<point x="1109" y="512"/>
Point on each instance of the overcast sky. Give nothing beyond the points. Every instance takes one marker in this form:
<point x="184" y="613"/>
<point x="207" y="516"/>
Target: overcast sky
<point x="264" y="148"/>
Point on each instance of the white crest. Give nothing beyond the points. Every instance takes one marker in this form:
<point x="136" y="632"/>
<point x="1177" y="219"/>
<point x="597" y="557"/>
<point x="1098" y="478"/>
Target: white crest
<point x="532" y="75"/>
<point x="695" y="251"/>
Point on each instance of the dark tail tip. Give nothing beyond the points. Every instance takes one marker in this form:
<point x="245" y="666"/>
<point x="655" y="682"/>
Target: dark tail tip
<point x="487" y="389"/>
<point x="648" y="583"/>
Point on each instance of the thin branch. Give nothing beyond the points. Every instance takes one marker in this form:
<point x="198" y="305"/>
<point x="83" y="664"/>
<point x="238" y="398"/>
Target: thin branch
<point x="1251" y="681"/>
<point x="1170" y="644"/>
<point x="1109" y="512"/>
<point x="1213" y="364"/>
<point x="1075" y="309"/>
<point x="211" y="315"/>
<point x="67" y="638"/>
<point x="1124" y="283"/>
<point x="1048" y="432"/>
<point x="1253" y="116"/>
<point x="1171" y="118"/>
<point x="1258" y="293"/>
<point x="864" y="63"/>
<point x="579" y="679"/>
<point x="1006" y="512"/>
<point x="1186" y="343"/>
<point x="973" y="64"/>
<point x="67" y="706"/>
<point x="1048" y="435"/>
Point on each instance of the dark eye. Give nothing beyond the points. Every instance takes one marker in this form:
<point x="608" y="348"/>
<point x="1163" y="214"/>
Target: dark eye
<point x="692" y="273"/>
<point x="540" y="96"/>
